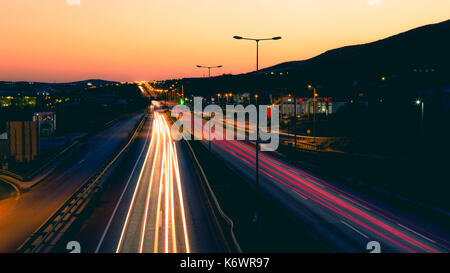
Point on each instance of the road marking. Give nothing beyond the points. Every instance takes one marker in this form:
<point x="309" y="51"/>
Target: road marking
<point x="180" y="193"/>
<point x="304" y="197"/>
<point x="155" y="247"/>
<point x="350" y="226"/>
<point x="134" y="194"/>
<point x="354" y="202"/>
<point x="417" y="233"/>
<point x="147" y="201"/>
<point x="121" y="196"/>
<point x="172" y="211"/>
<point x="166" y="195"/>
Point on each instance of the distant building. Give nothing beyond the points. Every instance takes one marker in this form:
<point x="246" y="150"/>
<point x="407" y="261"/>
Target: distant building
<point x="305" y="106"/>
<point x="23" y="138"/>
<point x="4" y="150"/>
<point x="46" y="123"/>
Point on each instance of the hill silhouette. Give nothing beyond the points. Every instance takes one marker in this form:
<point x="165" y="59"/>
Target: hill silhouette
<point x="410" y="61"/>
<point x="423" y="47"/>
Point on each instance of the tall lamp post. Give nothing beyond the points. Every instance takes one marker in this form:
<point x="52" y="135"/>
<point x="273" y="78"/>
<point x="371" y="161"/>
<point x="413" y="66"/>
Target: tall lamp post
<point x="257" y="45"/>
<point x="209" y="68"/>
<point x="314" y="111"/>
<point x="257" y="110"/>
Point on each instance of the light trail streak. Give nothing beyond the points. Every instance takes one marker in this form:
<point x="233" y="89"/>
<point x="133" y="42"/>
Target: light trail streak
<point x="147" y="202"/>
<point x="164" y="167"/>
<point x="316" y="191"/>
<point x="333" y="201"/>
<point x="135" y="192"/>
<point x="180" y="193"/>
<point x="168" y="169"/>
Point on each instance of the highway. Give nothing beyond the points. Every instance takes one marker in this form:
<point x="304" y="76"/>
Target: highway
<point x="153" y="203"/>
<point x="20" y="218"/>
<point x="342" y="219"/>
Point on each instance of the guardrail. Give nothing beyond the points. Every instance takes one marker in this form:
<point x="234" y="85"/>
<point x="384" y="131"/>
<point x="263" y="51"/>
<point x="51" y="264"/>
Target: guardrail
<point x="48" y="234"/>
<point x="212" y="196"/>
<point x="319" y="143"/>
<point x="302" y="145"/>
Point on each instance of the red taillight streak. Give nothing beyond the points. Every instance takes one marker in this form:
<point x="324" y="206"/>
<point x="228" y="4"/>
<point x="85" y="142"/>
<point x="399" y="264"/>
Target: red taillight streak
<point x="335" y="200"/>
<point x="331" y="207"/>
<point x="339" y="202"/>
<point x="337" y="190"/>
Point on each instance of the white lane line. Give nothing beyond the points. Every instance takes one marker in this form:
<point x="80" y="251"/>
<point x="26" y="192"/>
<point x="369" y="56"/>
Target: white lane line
<point x="180" y="195"/>
<point x="149" y="189"/>
<point x="417" y="233"/>
<point x="121" y="196"/>
<point x="135" y="193"/>
<point x="359" y="232"/>
<point x="296" y="192"/>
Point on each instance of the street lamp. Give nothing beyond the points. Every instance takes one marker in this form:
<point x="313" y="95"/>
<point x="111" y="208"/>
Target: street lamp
<point x="257" y="45"/>
<point x="314" y="111"/>
<point x="257" y="110"/>
<point x="209" y="68"/>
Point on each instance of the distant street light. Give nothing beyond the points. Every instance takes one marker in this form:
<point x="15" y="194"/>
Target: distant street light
<point x="257" y="110"/>
<point x="421" y="104"/>
<point x="209" y="68"/>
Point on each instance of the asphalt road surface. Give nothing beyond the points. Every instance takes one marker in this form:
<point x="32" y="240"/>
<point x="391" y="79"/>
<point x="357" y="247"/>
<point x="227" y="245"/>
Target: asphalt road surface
<point x="153" y="203"/>
<point x="20" y="218"/>
<point x="343" y="219"/>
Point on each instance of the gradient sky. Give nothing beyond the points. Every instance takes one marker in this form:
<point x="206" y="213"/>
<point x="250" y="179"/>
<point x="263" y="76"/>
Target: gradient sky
<point x="127" y="40"/>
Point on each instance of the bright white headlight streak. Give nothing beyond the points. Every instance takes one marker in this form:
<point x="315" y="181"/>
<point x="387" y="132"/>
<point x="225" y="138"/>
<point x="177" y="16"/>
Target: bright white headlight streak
<point x="165" y="212"/>
<point x="166" y="191"/>
<point x="180" y="193"/>
<point x="135" y="192"/>
<point x="172" y="211"/>
<point x="147" y="202"/>
<point x="158" y="208"/>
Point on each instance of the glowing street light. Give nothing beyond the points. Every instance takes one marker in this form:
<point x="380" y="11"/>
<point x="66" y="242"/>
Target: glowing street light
<point x="257" y="45"/>
<point x="209" y="68"/>
<point x="420" y="103"/>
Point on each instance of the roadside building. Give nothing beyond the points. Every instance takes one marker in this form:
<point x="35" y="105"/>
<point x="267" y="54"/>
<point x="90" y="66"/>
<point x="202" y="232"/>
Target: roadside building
<point x="305" y="106"/>
<point x="4" y="150"/>
<point x="23" y="138"/>
<point x="46" y="123"/>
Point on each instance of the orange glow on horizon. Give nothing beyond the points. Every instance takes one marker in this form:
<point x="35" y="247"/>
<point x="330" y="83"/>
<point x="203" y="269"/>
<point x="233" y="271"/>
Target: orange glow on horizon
<point x="50" y="40"/>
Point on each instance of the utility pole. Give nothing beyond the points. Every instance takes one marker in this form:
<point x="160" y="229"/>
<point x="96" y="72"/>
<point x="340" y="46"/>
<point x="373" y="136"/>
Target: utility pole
<point x="257" y="141"/>
<point x="314" y="122"/>
<point x="295" y="120"/>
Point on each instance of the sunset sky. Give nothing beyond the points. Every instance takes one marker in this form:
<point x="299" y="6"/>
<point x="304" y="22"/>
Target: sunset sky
<point x="127" y="40"/>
